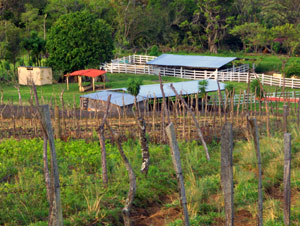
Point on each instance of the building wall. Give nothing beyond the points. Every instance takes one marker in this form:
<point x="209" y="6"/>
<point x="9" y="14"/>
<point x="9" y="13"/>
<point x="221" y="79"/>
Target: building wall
<point x="40" y="76"/>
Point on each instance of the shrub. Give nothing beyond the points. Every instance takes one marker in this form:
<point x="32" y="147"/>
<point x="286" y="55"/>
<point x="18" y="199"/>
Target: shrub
<point x="292" y="69"/>
<point x="202" y="88"/>
<point x="255" y="86"/>
<point x="134" y="86"/>
<point x="229" y="88"/>
<point x="154" y="51"/>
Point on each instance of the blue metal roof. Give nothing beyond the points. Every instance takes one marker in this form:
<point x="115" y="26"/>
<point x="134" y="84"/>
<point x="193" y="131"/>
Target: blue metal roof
<point x="117" y="98"/>
<point x="153" y="90"/>
<point x="209" y="62"/>
<point x="186" y="88"/>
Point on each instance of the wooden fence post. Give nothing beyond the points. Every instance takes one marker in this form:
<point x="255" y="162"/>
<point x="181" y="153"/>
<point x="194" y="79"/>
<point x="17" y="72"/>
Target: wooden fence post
<point x="132" y="179"/>
<point x="101" y="137"/>
<point x="226" y="172"/>
<point x="254" y="131"/>
<point x="177" y="165"/>
<point x="285" y="115"/>
<point x="57" y="128"/>
<point x="287" y="178"/>
<point x="56" y="217"/>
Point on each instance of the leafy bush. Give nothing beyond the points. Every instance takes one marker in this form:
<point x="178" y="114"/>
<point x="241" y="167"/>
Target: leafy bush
<point x="292" y="69"/>
<point x="256" y="87"/>
<point x="134" y="86"/>
<point x="202" y="88"/>
<point x="229" y="88"/>
<point x="154" y="51"/>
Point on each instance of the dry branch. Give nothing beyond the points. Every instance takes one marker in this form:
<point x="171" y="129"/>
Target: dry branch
<point x="195" y="121"/>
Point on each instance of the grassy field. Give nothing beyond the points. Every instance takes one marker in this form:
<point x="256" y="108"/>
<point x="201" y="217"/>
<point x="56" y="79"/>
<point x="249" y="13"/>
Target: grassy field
<point x="86" y="202"/>
<point x="53" y="91"/>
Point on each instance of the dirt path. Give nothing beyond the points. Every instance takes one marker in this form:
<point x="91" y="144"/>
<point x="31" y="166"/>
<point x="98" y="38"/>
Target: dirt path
<point x="157" y="214"/>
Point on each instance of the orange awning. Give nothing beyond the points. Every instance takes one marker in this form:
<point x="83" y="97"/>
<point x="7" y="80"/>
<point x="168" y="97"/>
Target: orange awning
<point x="89" y="73"/>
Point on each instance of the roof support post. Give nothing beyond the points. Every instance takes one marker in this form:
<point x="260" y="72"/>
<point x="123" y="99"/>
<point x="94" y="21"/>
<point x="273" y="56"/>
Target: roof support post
<point x="93" y="81"/>
<point x="216" y="75"/>
<point x="68" y="82"/>
<point x="181" y="72"/>
<point x="80" y="83"/>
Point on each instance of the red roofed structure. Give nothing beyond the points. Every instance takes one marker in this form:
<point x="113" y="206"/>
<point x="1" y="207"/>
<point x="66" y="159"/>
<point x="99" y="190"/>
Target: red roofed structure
<point x="92" y="73"/>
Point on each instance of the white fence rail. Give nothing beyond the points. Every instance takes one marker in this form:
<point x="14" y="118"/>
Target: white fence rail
<point x="134" y="59"/>
<point x="135" y="64"/>
<point x="241" y="68"/>
<point x="250" y="98"/>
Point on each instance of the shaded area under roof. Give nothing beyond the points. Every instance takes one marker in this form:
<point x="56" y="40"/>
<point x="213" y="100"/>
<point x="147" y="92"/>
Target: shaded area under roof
<point x="153" y="90"/>
<point x="209" y="62"/>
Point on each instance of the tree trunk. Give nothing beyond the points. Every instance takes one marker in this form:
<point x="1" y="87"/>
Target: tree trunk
<point x="144" y="146"/>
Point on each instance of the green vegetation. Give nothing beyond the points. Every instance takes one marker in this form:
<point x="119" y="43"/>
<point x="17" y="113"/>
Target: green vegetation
<point x="52" y="92"/>
<point x="86" y="201"/>
<point x="202" y="88"/>
<point x="77" y="41"/>
<point x="152" y="27"/>
<point x="134" y="86"/>
<point x="256" y="89"/>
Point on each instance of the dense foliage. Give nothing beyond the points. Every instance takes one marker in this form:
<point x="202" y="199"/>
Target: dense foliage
<point x="79" y="40"/>
<point x="134" y="86"/>
<point x="86" y="202"/>
<point x="252" y="25"/>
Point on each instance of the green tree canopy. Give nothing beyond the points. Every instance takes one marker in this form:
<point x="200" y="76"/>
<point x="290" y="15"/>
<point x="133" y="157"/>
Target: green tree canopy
<point x="35" y="47"/>
<point x="79" y="40"/>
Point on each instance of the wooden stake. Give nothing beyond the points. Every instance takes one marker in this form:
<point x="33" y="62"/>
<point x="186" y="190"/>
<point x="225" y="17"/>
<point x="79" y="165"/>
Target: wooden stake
<point x="132" y="180"/>
<point x="254" y="132"/>
<point x="56" y="217"/>
<point x="177" y="166"/>
<point x="285" y="116"/>
<point x="227" y="172"/>
<point x="195" y="121"/>
<point x="101" y="137"/>
<point x="287" y="178"/>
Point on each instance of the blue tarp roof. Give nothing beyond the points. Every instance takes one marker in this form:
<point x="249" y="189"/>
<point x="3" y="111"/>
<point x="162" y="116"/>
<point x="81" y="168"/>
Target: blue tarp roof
<point x="151" y="91"/>
<point x="209" y="62"/>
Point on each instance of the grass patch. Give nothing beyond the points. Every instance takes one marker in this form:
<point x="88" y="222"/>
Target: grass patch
<point x="52" y="92"/>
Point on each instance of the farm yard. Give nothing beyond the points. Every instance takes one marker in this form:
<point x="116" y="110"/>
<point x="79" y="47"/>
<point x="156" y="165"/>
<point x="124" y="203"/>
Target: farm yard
<point x="149" y="113"/>
<point x="86" y="199"/>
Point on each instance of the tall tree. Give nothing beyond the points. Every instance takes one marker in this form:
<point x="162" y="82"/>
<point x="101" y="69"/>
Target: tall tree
<point x="214" y="17"/>
<point x="35" y="47"/>
<point x="79" y="40"/>
<point x="10" y="37"/>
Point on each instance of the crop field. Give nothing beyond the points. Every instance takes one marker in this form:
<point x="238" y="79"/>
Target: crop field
<point x="85" y="201"/>
<point x="81" y="138"/>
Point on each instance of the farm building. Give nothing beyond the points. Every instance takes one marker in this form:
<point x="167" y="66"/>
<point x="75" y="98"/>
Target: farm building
<point x="39" y="75"/>
<point x="191" y="62"/>
<point x="120" y="99"/>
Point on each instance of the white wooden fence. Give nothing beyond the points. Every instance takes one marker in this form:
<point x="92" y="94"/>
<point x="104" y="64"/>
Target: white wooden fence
<point x="250" y="98"/>
<point x="134" y="59"/>
<point x="135" y="64"/>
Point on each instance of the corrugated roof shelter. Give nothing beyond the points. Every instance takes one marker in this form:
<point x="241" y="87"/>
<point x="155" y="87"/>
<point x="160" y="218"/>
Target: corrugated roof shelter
<point x="191" y="61"/>
<point x="119" y="97"/>
<point x="92" y="73"/>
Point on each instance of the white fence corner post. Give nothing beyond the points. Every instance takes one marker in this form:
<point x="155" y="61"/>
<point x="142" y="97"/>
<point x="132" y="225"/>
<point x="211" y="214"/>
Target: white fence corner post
<point x="181" y="72"/>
